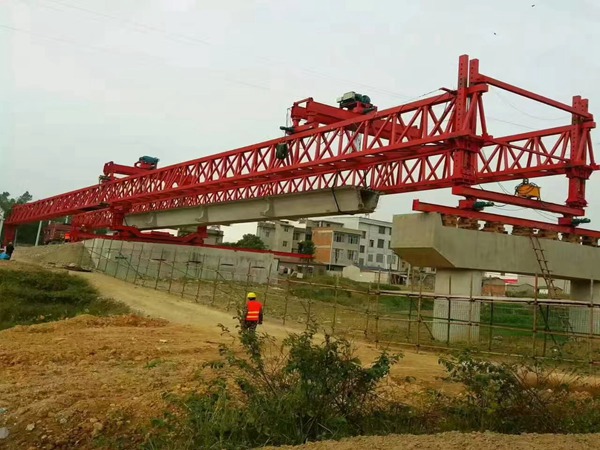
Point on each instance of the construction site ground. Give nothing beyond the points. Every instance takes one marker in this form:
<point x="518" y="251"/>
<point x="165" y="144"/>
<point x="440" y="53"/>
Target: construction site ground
<point x="78" y="382"/>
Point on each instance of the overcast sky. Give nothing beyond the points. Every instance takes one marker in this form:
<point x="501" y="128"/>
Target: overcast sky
<point x="84" y="82"/>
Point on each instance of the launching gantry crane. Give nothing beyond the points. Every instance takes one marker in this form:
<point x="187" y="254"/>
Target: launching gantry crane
<point x="111" y="170"/>
<point x="443" y="141"/>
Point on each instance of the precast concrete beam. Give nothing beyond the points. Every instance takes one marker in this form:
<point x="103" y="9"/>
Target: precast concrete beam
<point x="422" y="240"/>
<point x="326" y="202"/>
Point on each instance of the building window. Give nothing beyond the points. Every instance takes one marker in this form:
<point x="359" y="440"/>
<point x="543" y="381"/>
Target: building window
<point x="364" y="234"/>
<point x="351" y="255"/>
<point x="352" y="239"/>
<point x="370" y="258"/>
<point x="389" y="244"/>
<point x="362" y="249"/>
<point x="371" y="243"/>
<point x="337" y="254"/>
<point x="267" y="233"/>
<point x="286" y="229"/>
<point x="361" y="261"/>
<point x="296" y="235"/>
<point x="381" y="230"/>
<point x="285" y="243"/>
<point x="389" y="259"/>
<point x="339" y="237"/>
<point x="380" y="243"/>
<point x="390" y="231"/>
<point x="379" y="258"/>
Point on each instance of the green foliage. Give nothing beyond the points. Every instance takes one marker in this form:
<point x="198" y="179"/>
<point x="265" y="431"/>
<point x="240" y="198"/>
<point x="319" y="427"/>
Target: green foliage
<point x="312" y="390"/>
<point x="516" y="398"/>
<point x="353" y="294"/>
<point x="306" y="248"/>
<point x="26" y="233"/>
<point x="7" y="202"/>
<point x="316" y="390"/>
<point x="250" y="241"/>
<point x="42" y="296"/>
<point x="520" y="316"/>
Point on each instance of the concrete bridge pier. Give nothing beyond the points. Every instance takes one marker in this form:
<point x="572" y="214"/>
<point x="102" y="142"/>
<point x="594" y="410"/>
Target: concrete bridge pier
<point x="585" y="320"/>
<point x="457" y="319"/>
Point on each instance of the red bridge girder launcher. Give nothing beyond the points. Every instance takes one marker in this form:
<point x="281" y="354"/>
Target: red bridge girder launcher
<point x="443" y="141"/>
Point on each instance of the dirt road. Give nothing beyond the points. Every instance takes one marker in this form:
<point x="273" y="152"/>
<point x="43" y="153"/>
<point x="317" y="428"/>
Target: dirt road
<point x="422" y="366"/>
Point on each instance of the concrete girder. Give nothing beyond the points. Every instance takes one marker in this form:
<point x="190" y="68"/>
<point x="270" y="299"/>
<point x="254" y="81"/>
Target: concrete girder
<point x="326" y="202"/>
<point x="422" y="240"/>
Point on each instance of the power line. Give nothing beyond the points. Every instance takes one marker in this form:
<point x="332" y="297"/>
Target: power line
<point x="193" y="40"/>
<point x="501" y="97"/>
<point x="495" y="119"/>
<point x="128" y="56"/>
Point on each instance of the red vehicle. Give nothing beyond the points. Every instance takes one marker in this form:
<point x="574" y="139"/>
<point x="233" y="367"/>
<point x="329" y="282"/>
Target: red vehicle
<point x="57" y="233"/>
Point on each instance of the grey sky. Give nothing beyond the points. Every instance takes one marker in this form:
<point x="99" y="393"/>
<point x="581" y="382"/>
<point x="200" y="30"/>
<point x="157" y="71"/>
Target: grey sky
<point x="89" y="81"/>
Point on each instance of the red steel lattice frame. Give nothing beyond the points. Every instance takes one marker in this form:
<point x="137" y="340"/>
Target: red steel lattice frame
<point x="437" y="142"/>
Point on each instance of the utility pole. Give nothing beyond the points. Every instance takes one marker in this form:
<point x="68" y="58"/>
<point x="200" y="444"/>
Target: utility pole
<point x="37" y="238"/>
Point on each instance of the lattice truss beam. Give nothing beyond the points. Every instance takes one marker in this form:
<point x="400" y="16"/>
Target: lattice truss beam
<point x="437" y="142"/>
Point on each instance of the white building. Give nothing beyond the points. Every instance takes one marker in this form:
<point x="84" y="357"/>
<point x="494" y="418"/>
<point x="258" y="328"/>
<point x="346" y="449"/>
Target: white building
<point x="375" y="244"/>
<point x="281" y="235"/>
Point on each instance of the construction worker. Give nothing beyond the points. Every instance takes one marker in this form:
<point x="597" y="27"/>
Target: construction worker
<point x="10" y="248"/>
<point x="253" y="313"/>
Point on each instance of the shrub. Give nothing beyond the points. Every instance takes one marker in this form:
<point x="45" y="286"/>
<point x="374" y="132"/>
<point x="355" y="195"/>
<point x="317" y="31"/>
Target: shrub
<point x="311" y="390"/>
<point x="535" y="396"/>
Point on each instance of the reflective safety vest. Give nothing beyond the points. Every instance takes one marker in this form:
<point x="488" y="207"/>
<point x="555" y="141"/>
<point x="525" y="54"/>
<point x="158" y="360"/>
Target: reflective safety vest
<point x="254" y="309"/>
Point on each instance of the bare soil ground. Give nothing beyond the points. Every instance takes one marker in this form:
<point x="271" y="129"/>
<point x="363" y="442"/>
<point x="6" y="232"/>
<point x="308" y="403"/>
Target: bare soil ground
<point x="66" y="384"/>
<point x="460" y="441"/>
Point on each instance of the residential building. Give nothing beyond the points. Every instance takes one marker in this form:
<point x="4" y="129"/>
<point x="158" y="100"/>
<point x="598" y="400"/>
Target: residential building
<point x="493" y="287"/>
<point x="339" y="247"/>
<point x="281" y="235"/>
<point x="336" y="246"/>
<point x="375" y="250"/>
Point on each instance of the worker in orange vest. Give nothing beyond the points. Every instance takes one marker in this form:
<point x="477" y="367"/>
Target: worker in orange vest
<point x="253" y="313"/>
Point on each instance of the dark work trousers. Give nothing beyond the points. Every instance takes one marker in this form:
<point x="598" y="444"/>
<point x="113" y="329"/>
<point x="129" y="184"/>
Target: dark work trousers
<point x="250" y="326"/>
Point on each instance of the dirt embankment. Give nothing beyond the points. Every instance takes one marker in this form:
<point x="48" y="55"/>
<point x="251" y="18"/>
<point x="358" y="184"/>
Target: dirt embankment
<point x="459" y="441"/>
<point x="67" y="384"/>
<point x="62" y="384"/>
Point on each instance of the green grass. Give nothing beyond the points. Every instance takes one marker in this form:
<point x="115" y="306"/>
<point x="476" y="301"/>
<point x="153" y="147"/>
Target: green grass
<point x="387" y="304"/>
<point x="30" y="297"/>
<point x="351" y="293"/>
<point x="520" y="316"/>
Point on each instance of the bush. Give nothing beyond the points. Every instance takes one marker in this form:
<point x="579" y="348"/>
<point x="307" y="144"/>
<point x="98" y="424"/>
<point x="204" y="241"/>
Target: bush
<point x="534" y="397"/>
<point x="309" y="391"/>
<point x="313" y="390"/>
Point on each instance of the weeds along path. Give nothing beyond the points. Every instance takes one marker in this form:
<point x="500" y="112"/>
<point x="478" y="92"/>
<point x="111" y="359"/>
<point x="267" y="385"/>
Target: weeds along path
<point x="422" y="366"/>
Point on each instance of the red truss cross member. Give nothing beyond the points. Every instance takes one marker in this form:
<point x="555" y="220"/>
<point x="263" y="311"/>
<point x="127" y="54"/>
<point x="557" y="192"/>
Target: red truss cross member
<point x="438" y="142"/>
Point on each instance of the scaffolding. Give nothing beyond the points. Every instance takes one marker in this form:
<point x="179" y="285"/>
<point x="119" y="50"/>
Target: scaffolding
<point x="379" y="313"/>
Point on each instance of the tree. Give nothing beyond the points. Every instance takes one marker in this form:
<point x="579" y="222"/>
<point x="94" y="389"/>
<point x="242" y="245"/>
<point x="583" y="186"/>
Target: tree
<point x="306" y="248"/>
<point x="7" y="203"/>
<point x="25" y="233"/>
<point x="251" y="241"/>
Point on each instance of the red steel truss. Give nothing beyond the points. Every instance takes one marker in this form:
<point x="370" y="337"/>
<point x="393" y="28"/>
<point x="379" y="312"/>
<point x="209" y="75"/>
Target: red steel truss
<point x="437" y="142"/>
